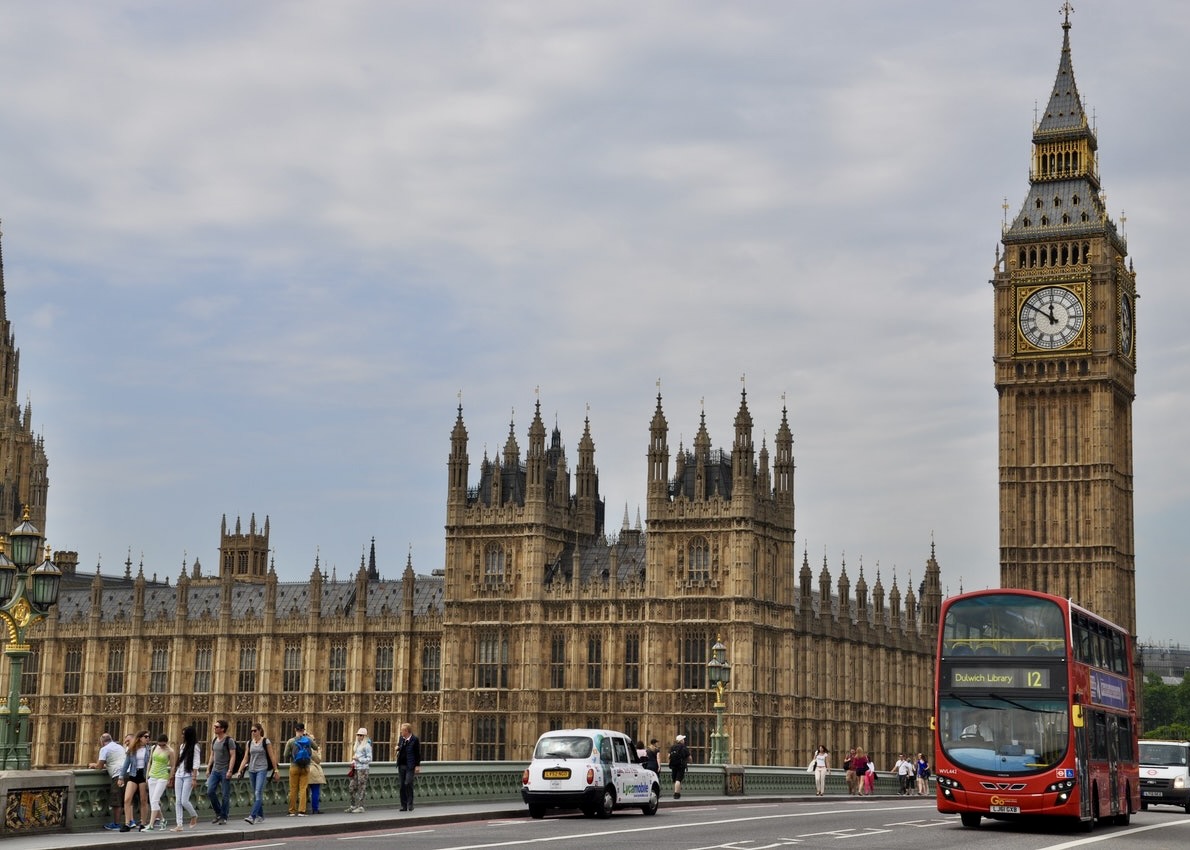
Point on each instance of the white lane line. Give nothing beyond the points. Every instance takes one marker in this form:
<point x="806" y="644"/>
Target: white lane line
<point x="1112" y="836"/>
<point x="674" y="826"/>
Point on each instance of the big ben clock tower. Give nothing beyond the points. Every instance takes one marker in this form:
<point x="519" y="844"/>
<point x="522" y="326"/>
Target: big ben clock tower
<point x="1065" y="359"/>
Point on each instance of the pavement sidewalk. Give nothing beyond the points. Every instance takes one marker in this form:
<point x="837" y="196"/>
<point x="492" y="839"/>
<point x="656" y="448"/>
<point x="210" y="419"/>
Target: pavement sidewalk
<point x="340" y="822"/>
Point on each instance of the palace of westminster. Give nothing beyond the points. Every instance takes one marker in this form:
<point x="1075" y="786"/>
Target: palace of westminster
<point x="541" y="618"/>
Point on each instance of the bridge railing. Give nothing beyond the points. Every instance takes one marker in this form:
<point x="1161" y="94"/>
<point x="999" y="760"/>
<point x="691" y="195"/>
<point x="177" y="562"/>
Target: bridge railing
<point x="78" y="800"/>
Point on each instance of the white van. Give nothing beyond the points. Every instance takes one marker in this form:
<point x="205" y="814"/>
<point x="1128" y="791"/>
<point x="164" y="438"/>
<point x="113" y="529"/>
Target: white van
<point x="593" y="770"/>
<point x="1165" y="773"/>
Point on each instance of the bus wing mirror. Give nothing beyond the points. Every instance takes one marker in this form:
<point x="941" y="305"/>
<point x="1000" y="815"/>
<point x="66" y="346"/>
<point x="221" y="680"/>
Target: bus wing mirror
<point x="1077" y="715"/>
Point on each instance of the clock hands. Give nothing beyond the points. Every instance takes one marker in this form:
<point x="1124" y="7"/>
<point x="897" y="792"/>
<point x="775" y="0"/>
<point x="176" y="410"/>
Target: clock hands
<point x="1053" y="320"/>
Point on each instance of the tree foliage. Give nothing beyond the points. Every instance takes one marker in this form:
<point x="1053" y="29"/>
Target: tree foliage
<point x="1166" y="709"/>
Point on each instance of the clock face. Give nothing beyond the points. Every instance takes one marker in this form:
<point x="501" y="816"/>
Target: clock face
<point x="1051" y="317"/>
<point x="1126" y="324"/>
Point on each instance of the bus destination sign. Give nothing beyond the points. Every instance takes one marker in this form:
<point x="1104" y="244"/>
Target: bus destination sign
<point x="999" y="677"/>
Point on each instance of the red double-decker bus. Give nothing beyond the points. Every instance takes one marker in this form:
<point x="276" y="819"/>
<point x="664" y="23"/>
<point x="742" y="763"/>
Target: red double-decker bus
<point x="1034" y="711"/>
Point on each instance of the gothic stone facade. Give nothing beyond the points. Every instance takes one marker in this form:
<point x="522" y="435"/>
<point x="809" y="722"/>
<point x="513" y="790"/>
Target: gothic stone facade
<point x="24" y="482"/>
<point x="538" y="620"/>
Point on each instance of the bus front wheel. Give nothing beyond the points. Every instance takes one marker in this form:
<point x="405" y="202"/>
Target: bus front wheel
<point x="970" y="819"/>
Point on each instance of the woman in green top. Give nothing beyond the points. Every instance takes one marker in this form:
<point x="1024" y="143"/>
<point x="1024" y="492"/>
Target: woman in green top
<point x="161" y="772"/>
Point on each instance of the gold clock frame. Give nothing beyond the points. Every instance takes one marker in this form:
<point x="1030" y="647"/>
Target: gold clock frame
<point x="1079" y="290"/>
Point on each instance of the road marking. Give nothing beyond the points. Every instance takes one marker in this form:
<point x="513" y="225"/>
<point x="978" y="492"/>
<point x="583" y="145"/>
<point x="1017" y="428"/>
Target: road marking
<point x="1112" y="836"/>
<point x="384" y="834"/>
<point x="921" y="824"/>
<point x="849" y="832"/>
<point x="684" y="825"/>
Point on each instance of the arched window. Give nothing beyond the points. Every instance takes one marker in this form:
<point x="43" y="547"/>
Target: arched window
<point x="493" y="564"/>
<point x="700" y="560"/>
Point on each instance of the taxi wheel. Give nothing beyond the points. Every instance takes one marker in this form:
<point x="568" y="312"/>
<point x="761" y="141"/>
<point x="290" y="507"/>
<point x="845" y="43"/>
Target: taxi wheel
<point x="650" y="808"/>
<point x="536" y="811"/>
<point x="606" y="804"/>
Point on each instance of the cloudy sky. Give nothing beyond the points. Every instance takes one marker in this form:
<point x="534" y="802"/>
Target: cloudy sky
<point x="254" y="252"/>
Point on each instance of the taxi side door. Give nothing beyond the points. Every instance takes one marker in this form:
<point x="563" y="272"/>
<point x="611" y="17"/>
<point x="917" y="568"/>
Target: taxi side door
<point x="631" y="783"/>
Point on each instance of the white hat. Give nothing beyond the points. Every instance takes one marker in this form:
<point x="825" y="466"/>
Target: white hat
<point x="680" y="738"/>
<point x="362" y="731"/>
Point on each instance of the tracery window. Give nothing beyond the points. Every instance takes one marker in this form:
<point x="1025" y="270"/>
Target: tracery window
<point x="493" y="564"/>
<point x="699" y="565"/>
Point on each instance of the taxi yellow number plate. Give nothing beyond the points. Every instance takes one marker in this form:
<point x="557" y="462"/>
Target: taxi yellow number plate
<point x="556" y="773"/>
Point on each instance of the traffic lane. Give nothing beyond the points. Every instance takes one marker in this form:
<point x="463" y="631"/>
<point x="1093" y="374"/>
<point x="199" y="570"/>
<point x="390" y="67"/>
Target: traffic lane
<point x="915" y="825"/>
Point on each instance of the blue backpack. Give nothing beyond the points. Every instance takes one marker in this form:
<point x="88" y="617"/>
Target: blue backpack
<point x="301" y="750"/>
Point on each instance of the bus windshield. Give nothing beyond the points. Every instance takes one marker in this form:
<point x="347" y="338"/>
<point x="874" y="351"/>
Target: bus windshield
<point x="1003" y="735"/>
<point x="1004" y="625"/>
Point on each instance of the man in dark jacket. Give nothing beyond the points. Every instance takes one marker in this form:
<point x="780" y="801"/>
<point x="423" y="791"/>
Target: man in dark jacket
<point x="679" y="757"/>
<point x="408" y="764"/>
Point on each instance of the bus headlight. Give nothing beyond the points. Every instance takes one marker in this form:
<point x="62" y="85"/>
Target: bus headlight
<point x="1179" y="782"/>
<point x="1065" y="785"/>
<point x="947" y="783"/>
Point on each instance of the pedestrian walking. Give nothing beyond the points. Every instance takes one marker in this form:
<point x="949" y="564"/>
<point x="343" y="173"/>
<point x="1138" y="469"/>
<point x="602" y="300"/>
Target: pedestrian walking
<point x="185" y="771"/>
<point x="821" y="763"/>
<point x="408" y="764"/>
<point x="361" y="760"/>
<point x="220" y="762"/>
<point x="679" y="758"/>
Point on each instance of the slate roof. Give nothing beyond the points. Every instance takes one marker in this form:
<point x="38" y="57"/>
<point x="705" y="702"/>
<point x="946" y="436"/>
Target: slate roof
<point x="293" y="599"/>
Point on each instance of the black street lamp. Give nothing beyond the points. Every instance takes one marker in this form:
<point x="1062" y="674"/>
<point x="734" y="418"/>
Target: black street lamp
<point x="26" y="596"/>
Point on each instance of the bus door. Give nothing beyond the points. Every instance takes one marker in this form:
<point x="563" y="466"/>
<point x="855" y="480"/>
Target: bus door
<point x="1113" y="761"/>
<point x="1081" y="750"/>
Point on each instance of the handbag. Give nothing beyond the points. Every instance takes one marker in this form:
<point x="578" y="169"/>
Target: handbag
<point x="351" y="772"/>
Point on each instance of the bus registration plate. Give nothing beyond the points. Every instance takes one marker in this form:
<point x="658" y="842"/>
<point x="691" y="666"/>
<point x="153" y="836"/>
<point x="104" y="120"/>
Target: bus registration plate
<point x="1006" y="810"/>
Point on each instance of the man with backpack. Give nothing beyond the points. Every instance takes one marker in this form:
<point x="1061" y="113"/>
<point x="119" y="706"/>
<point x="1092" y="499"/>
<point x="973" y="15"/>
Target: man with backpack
<point x="222" y="762"/>
<point x="299" y="752"/>
<point x="679" y="757"/>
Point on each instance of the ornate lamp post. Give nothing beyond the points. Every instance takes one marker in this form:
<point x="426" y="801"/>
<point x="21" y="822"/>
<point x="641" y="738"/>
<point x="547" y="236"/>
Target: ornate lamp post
<point x="26" y="596"/>
<point x="719" y="674"/>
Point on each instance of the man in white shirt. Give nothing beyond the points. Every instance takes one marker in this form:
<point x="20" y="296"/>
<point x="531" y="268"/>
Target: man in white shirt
<point x="111" y="758"/>
<point x="904" y="771"/>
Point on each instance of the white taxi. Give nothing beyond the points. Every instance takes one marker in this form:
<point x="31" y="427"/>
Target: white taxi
<point x="593" y="770"/>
